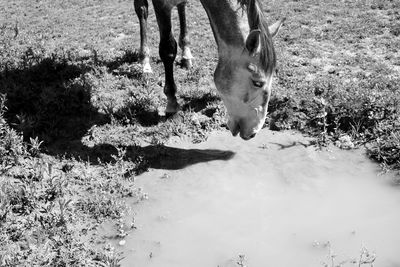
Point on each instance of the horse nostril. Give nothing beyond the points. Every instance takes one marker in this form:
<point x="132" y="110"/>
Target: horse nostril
<point x="234" y="128"/>
<point x="251" y="136"/>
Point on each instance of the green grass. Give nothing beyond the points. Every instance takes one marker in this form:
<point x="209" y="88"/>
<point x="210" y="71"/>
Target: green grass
<point x="50" y="208"/>
<point x="75" y="105"/>
<point x="339" y="73"/>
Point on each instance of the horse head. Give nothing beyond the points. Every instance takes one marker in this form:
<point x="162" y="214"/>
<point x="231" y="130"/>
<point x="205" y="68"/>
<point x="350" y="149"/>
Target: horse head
<point x="244" y="76"/>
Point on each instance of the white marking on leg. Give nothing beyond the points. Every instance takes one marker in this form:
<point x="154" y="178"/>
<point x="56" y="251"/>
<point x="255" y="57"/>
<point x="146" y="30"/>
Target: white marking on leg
<point x="186" y="54"/>
<point x="146" y="66"/>
<point x="146" y="60"/>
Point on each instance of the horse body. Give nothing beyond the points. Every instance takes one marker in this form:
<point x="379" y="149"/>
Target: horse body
<point x="246" y="56"/>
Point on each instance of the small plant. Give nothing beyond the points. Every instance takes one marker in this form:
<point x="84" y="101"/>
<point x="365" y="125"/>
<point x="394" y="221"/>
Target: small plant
<point x="34" y="146"/>
<point x="241" y="260"/>
<point x="365" y="258"/>
<point x="12" y="147"/>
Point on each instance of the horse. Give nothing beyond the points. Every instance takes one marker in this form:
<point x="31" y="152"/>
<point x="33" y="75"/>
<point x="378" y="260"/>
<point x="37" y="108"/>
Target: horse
<point x="246" y="56"/>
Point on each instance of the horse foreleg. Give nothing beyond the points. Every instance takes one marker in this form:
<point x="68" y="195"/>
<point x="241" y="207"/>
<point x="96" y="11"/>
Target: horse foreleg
<point x="142" y="11"/>
<point x="184" y="41"/>
<point x="167" y="50"/>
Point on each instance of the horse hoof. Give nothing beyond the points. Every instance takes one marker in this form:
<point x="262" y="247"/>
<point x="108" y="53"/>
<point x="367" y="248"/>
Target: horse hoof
<point x="186" y="63"/>
<point x="172" y="108"/>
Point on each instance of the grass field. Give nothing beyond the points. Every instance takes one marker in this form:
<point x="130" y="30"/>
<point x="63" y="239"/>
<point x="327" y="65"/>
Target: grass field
<point x="76" y="111"/>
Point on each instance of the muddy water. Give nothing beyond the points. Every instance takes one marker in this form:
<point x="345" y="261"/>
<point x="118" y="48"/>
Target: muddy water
<point x="275" y="200"/>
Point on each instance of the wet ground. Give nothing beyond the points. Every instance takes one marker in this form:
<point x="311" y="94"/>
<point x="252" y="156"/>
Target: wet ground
<point x="276" y="200"/>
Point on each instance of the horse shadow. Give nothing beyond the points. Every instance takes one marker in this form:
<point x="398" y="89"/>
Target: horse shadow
<point x="172" y="158"/>
<point x="47" y="98"/>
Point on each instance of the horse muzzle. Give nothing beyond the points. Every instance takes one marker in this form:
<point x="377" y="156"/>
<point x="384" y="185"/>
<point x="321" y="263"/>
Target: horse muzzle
<point x="238" y="127"/>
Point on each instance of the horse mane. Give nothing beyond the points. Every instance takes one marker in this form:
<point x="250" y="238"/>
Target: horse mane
<point x="257" y="20"/>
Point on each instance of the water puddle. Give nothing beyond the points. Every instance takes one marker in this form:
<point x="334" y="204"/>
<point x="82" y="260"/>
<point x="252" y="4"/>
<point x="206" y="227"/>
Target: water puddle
<point x="275" y="200"/>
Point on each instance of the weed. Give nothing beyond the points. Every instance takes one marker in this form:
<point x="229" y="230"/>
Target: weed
<point x="241" y="261"/>
<point x="365" y="258"/>
<point x="40" y="213"/>
<point x="12" y="146"/>
<point x="34" y="146"/>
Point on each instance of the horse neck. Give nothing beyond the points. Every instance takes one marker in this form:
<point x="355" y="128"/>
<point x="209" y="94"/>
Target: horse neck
<point x="229" y="24"/>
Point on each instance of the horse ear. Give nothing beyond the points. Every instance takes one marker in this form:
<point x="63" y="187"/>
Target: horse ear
<point x="253" y="42"/>
<point x="274" y="28"/>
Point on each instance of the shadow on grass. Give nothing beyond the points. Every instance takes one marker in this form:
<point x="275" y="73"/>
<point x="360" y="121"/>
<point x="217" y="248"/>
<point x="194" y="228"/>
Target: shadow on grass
<point x="152" y="156"/>
<point x="127" y="57"/>
<point x="49" y="98"/>
<point x="199" y="103"/>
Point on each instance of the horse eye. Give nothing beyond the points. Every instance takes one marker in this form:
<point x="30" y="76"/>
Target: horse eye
<point x="258" y="84"/>
<point x="251" y="67"/>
